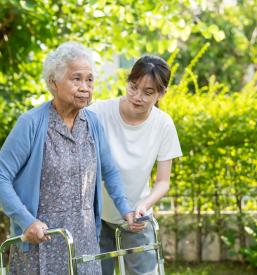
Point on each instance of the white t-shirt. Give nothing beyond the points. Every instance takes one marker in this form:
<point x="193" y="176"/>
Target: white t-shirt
<point x="135" y="149"/>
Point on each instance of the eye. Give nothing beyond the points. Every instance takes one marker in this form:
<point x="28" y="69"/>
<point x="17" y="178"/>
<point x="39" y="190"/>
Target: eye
<point x="149" y="93"/>
<point x="76" y="79"/>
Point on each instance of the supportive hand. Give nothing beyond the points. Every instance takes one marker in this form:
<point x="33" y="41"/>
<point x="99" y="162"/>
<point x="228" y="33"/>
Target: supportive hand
<point x="140" y="210"/>
<point x="35" y="233"/>
<point x="132" y="224"/>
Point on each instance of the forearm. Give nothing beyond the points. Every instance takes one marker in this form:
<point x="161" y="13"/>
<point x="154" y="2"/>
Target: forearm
<point x="115" y="189"/>
<point x="13" y="156"/>
<point x="13" y="207"/>
<point x="159" y="190"/>
<point x="161" y="185"/>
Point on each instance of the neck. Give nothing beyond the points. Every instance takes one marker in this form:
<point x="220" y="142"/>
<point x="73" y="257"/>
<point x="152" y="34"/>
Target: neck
<point x="68" y="115"/>
<point x="130" y="117"/>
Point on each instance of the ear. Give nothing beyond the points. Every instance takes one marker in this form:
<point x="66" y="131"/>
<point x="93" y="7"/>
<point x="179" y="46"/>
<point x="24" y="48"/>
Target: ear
<point x="161" y="94"/>
<point x="52" y="84"/>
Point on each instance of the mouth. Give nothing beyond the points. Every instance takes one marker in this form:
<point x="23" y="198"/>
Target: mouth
<point x="136" y="105"/>
<point x="82" y="99"/>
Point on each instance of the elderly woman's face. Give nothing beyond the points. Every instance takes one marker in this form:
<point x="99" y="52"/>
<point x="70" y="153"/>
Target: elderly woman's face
<point x="75" y="88"/>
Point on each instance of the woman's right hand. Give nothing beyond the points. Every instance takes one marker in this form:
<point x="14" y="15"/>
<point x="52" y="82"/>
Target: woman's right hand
<point x="132" y="225"/>
<point x="35" y="233"/>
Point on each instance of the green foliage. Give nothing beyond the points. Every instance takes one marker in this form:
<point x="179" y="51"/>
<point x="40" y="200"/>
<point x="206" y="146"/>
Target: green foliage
<point x="233" y="43"/>
<point x="29" y="29"/>
<point x="217" y="132"/>
<point x="225" y="268"/>
<point x="213" y="110"/>
<point x="4" y="226"/>
<point x="250" y="253"/>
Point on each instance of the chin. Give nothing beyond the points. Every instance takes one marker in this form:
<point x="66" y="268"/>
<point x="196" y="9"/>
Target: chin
<point x="82" y="104"/>
<point x="137" y="110"/>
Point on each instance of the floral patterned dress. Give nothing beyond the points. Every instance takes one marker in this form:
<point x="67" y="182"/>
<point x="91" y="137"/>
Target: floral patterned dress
<point x="66" y="200"/>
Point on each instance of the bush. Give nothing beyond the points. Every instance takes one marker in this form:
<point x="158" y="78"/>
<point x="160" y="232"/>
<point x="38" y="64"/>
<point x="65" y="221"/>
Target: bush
<point x="250" y="253"/>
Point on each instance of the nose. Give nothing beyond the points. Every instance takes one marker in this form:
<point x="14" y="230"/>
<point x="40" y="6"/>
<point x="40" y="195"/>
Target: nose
<point x="84" y="87"/>
<point x="138" y="95"/>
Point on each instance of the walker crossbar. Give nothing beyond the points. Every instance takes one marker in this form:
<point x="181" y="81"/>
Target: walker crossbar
<point x="113" y="254"/>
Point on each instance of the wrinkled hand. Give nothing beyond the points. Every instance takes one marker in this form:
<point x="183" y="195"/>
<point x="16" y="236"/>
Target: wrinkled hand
<point x="129" y="217"/>
<point x="35" y="233"/>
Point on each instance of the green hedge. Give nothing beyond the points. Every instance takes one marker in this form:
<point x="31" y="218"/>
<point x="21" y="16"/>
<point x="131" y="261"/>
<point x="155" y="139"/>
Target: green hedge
<point x="218" y="136"/>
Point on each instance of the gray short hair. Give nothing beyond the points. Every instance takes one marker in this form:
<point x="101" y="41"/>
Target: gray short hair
<point x="57" y="61"/>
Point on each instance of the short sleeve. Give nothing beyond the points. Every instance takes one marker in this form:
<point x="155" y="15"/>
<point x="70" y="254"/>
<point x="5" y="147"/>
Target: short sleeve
<point x="169" y="144"/>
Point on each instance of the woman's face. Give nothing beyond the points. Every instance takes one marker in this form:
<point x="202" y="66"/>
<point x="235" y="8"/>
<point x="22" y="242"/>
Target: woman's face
<point x="74" y="90"/>
<point x="142" y="94"/>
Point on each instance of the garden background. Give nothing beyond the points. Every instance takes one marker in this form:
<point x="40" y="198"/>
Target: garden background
<point x="210" y="211"/>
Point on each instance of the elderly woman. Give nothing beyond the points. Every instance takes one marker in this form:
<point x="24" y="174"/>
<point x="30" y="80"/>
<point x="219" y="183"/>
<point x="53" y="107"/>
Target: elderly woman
<point x="51" y="167"/>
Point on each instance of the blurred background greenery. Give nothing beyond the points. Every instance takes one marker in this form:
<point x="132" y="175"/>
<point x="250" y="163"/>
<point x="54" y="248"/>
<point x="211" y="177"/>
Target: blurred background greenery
<point x="212" y="50"/>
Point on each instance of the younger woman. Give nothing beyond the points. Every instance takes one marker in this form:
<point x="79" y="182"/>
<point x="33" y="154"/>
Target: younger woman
<point x="139" y="134"/>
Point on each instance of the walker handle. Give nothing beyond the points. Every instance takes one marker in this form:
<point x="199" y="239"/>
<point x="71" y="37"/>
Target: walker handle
<point x="64" y="232"/>
<point x="146" y="218"/>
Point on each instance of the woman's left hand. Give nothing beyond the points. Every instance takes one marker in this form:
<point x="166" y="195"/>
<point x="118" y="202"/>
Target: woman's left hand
<point x="35" y="233"/>
<point x="140" y="210"/>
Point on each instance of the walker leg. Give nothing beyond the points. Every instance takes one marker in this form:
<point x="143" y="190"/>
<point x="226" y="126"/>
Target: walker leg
<point x="120" y="258"/>
<point x="159" y="252"/>
<point x="2" y="265"/>
<point x="158" y="249"/>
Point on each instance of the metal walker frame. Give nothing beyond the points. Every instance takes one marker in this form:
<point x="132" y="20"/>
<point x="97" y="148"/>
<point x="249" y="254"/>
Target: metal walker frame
<point x="73" y="260"/>
<point x="157" y="246"/>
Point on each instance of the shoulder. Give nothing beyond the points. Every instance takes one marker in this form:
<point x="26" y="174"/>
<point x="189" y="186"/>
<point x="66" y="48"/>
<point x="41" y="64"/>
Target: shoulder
<point x="36" y="113"/>
<point x="33" y="118"/>
<point x="92" y="119"/>
<point x="95" y="126"/>
<point x="90" y="115"/>
<point x="103" y="106"/>
<point x="162" y="117"/>
<point x="29" y="126"/>
<point x="164" y="124"/>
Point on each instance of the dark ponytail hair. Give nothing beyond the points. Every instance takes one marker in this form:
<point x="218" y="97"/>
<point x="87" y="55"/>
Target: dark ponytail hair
<point x="154" y="66"/>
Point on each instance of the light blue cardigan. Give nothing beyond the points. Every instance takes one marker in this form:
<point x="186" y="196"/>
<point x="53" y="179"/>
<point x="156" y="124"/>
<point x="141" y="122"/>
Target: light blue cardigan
<point x="21" y="163"/>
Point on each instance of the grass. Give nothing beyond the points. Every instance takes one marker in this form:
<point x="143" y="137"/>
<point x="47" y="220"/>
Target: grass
<point x="209" y="268"/>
